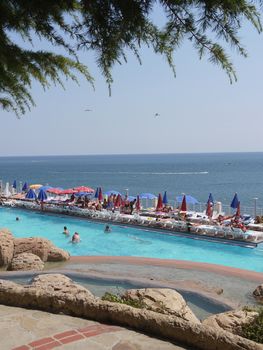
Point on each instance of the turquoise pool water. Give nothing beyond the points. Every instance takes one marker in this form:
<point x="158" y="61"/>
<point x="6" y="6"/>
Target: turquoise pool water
<point x="127" y="241"/>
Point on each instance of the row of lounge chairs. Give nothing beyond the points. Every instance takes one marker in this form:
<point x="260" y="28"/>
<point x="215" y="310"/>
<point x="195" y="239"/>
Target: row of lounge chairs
<point x="171" y="224"/>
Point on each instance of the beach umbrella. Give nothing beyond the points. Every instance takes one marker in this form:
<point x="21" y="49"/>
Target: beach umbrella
<point x="100" y="195"/>
<point x="35" y="186"/>
<point x="42" y="196"/>
<point x="183" y="205"/>
<point x="131" y="198"/>
<point x="108" y="193"/>
<point x="68" y="191"/>
<point x="31" y="194"/>
<point x="210" y="198"/>
<point x="55" y="190"/>
<point x="84" y="189"/>
<point x="80" y="194"/>
<point x="14" y="184"/>
<point x="159" y="203"/>
<point x="117" y="203"/>
<point x="147" y="196"/>
<point x="7" y="193"/>
<point x="96" y="195"/>
<point x="235" y="201"/>
<point x="165" y="199"/>
<point x="45" y="188"/>
<point x="209" y="209"/>
<point x="189" y="199"/>
<point x="25" y="187"/>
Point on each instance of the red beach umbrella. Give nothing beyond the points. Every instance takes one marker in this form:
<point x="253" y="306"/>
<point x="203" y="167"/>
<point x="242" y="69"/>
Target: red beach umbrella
<point x="68" y="191"/>
<point x="100" y="195"/>
<point x="83" y="189"/>
<point x="117" y="203"/>
<point x="54" y="190"/>
<point x="183" y="205"/>
<point x="159" y="203"/>
<point x="138" y="204"/>
<point x="209" y="209"/>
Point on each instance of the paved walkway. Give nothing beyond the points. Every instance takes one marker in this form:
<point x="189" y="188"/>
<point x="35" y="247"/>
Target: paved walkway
<point x="22" y="329"/>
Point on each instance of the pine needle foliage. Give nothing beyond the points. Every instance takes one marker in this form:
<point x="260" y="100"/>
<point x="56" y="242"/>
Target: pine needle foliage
<point x="110" y="28"/>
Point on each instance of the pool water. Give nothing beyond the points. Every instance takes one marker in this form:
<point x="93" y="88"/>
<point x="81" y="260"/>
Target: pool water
<point x="127" y="241"/>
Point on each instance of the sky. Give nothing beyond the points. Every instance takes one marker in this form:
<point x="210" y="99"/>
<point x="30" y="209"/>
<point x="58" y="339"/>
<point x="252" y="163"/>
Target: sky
<point x="199" y="110"/>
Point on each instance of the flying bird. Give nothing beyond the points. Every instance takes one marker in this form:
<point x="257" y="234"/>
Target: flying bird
<point x="157" y="115"/>
<point x="88" y="110"/>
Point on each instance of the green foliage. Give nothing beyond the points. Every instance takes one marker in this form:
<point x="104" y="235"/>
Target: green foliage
<point x="123" y="300"/>
<point x="254" y="330"/>
<point x="110" y="28"/>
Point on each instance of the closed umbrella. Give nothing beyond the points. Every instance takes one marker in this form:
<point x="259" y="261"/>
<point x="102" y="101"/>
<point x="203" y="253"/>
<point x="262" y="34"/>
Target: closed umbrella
<point x="235" y="201"/>
<point x="183" y="205"/>
<point x="237" y="215"/>
<point x="210" y="198"/>
<point x="100" y="195"/>
<point x="14" y="184"/>
<point x="96" y="195"/>
<point x="42" y="196"/>
<point x="25" y="187"/>
<point x="165" y="199"/>
<point x="31" y="194"/>
<point x="159" y="203"/>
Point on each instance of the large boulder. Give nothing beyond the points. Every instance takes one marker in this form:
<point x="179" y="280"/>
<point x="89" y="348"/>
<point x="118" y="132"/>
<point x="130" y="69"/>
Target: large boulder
<point x="162" y="300"/>
<point x="26" y="261"/>
<point x="41" y="247"/>
<point x="258" y="293"/>
<point x="231" y="321"/>
<point x="6" y="247"/>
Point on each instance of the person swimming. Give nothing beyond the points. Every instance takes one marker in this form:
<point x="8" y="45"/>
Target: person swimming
<point x="17" y="218"/>
<point x="66" y="231"/>
<point x="107" y="229"/>
<point x="75" y="238"/>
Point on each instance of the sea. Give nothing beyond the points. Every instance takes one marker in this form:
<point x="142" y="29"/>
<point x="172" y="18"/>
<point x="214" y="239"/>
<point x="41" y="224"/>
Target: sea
<point x="222" y="174"/>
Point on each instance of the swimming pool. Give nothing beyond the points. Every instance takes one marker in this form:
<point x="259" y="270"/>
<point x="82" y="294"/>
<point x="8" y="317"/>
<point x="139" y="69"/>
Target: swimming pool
<point x="127" y="241"/>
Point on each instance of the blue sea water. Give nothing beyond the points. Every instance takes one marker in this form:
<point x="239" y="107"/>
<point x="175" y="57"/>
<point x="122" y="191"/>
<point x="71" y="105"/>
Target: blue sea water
<point x="223" y="174"/>
<point x="127" y="241"/>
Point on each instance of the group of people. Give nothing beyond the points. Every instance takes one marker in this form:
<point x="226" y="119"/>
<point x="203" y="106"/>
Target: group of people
<point x="76" y="237"/>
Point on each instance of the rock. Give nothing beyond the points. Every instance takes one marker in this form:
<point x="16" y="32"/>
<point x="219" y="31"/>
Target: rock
<point x="58" y="293"/>
<point x="258" y="293"/>
<point x="166" y="301"/>
<point x="41" y="247"/>
<point x="231" y="321"/>
<point x="6" y="247"/>
<point x="26" y="261"/>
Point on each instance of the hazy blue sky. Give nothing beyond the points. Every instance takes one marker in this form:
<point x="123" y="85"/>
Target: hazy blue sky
<point x="199" y="110"/>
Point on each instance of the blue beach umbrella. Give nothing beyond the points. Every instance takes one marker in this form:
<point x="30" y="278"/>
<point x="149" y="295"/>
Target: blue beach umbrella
<point x="31" y="194"/>
<point x="108" y="193"/>
<point x="14" y="184"/>
<point x="131" y="198"/>
<point x="189" y="199"/>
<point x="235" y="201"/>
<point x="80" y="194"/>
<point x="96" y="195"/>
<point x="165" y="199"/>
<point x="42" y="195"/>
<point x="45" y="188"/>
<point x="147" y="196"/>
<point x="25" y="187"/>
<point x="210" y="198"/>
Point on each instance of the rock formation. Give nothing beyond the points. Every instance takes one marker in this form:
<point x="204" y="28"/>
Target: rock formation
<point x="258" y="293"/>
<point x="231" y="321"/>
<point x="26" y="261"/>
<point x="166" y="301"/>
<point x="58" y="293"/>
<point x="6" y="247"/>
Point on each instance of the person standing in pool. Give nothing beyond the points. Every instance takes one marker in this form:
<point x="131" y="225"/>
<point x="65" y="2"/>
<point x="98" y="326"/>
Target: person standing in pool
<point x="66" y="231"/>
<point x="107" y="229"/>
<point x="75" y="238"/>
